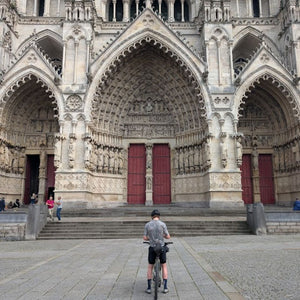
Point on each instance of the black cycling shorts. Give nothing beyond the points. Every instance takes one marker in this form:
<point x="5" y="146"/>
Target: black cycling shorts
<point x="152" y="256"/>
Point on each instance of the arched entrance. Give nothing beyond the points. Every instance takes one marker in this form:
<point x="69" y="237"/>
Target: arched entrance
<point x="151" y="104"/>
<point x="270" y="146"/>
<point x="28" y="139"/>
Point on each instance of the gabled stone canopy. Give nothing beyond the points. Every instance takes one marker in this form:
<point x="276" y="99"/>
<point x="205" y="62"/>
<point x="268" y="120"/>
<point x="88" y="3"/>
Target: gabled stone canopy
<point x="148" y="76"/>
<point x="147" y="61"/>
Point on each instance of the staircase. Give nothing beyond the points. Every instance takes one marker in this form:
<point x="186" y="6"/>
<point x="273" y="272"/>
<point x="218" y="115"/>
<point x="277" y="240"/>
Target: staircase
<point x="128" y="222"/>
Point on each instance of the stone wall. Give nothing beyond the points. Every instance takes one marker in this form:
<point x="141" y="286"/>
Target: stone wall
<point x="13" y="226"/>
<point x="283" y="222"/>
<point x="12" y="232"/>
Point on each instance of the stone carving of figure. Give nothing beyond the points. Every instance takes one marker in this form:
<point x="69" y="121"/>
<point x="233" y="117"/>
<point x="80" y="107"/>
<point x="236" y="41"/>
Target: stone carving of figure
<point x="149" y="183"/>
<point x="196" y="158"/>
<point x="276" y="159"/>
<point x="100" y="159"/>
<point x="87" y="153"/>
<point x="149" y="156"/>
<point x="1" y="155"/>
<point x="105" y="159"/>
<point x="186" y="160"/>
<point x="223" y="152"/>
<point x="207" y="154"/>
<point x="120" y="162"/>
<point x="111" y="160"/>
<point x="181" y="159"/>
<point x="93" y="158"/>
<point x="191" y="159"/>
<point x="255" y="159"/>
<point x="239" y="152"/>
<point x="177" y="162"/>
<point x="71" y="152"/>
<point x="6" y="158"/>
<point x="22" y="161"/>
<point x="57" y="151"/>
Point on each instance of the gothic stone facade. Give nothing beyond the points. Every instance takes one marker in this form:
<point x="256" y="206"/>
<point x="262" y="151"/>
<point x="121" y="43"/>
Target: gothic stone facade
<point x="128" y="101"/>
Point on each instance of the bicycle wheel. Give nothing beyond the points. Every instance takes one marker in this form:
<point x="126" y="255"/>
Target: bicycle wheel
<point x="156" y="278"/>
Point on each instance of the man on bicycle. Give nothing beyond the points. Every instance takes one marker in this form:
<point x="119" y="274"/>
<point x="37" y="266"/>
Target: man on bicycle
<point x="155" y="232"/>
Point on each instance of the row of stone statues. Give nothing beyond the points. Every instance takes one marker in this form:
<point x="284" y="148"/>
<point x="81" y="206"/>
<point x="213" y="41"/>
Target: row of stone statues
<point x="192" y="159"/>
<point x="104" y="159"/>
<point x="287" y="157"/>
<point x="12" y="158"/>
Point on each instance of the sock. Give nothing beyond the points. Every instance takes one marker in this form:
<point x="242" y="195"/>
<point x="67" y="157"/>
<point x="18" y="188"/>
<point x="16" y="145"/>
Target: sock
<point x="149" y="284"/>
<point x="165" y="283"/>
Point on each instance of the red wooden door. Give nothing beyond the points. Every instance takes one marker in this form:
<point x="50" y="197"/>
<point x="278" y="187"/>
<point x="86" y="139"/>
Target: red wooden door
<point x="247" y="187"/>
<point x="266" y="182"/>
<point x="161" y="174"/>
<point x="50" y="183"/>
<point x="136" y="174"/>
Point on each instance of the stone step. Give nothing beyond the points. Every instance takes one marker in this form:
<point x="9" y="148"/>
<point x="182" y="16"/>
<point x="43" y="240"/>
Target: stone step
<point x="144" y="211"/>
<point x="91" y="229"/>
<point x="127" y="235"/>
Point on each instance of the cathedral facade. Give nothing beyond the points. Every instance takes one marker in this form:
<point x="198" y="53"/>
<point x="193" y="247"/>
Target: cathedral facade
<point x="108" y="102"/>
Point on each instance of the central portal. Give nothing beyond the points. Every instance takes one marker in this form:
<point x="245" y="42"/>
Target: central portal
<point x="138" y="166"/>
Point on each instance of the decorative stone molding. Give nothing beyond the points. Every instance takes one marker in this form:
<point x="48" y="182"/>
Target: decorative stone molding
<point x="74" y="103"/>
<point x="225" y="181"/>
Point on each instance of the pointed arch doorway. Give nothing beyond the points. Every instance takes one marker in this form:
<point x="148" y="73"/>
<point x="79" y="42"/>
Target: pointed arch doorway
<point x="266" y="122"/>
<point x="29" y="117"/>
<point x="150" y="100"/>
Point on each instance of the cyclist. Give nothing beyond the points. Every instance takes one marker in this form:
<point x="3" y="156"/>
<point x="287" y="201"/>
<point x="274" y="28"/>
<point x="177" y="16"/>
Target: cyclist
<point x="155" y="232"/>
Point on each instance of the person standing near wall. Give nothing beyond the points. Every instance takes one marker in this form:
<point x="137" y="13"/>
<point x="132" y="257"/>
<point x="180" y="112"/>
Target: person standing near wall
<point x="33" y="198"/>
<point x="59" y="207"/>
<point x="50" y="204"/>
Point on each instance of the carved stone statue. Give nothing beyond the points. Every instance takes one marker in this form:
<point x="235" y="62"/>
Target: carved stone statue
<point x="255" y="159"/>
<point x="71" y="152"/>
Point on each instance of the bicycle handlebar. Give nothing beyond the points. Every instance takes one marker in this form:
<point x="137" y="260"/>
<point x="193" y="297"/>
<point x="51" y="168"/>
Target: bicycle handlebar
<point x="166" y="243"/>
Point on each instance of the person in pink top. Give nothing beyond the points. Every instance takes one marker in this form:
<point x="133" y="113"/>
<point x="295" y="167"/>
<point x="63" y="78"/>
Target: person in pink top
<point x="50" y="204"/>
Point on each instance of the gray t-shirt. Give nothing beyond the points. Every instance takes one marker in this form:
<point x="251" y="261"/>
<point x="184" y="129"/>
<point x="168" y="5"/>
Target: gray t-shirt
<point x="155" y="231"/>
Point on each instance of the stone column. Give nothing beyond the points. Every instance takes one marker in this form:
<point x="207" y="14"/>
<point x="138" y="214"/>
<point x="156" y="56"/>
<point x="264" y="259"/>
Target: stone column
<point x="237" y="8"/>
<point x="250" y="9"/>
<point x="47" y="8"/>
<point x="260" y="9"/>
<point x="58" y="8"/>
<point x="171" y="10"/>
<point x="125" y="11"/>
<point x="114" y="10"/>
<point x="75" y="60"/>
<point x="42" y="176"/>
<point x="255" y="173"/>
<point x="159" y="7"/>
<point x="136" y="7"/>
<point x="182" y="10"/>
<point x="35" y="8"/>
<point x="149" y="176"/>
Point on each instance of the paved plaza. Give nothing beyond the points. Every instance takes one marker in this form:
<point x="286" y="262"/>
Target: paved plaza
<point x="215" y="267"/>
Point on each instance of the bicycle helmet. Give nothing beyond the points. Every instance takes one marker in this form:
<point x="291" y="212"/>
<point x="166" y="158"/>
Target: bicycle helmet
<point x="155" y="212"/>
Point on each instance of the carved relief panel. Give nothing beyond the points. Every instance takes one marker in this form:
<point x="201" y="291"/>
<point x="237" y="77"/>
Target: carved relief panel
<point x="149" y="118"/>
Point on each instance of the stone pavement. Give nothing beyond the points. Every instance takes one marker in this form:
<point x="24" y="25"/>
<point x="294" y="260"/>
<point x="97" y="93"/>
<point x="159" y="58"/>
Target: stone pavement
<point x="215" y="267"/>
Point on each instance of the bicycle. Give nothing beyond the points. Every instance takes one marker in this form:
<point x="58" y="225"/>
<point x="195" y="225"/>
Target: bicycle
<point x="157" y="277"/>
